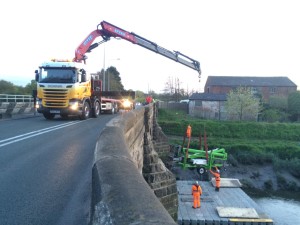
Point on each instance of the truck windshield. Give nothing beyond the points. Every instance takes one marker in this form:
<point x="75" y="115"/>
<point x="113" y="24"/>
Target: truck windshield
<point x="57" y="75"/>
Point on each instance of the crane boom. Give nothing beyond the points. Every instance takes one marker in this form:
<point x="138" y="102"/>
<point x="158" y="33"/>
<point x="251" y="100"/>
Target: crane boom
<point x="109" y="30"/>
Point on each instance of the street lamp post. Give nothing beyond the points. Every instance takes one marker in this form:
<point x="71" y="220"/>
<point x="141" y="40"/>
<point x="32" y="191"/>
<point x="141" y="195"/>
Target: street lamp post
<point x="103" y="82"/>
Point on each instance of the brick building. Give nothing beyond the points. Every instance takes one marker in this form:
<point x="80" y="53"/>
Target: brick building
<point x="210" y="104"/>
<point x="263" y="86"/>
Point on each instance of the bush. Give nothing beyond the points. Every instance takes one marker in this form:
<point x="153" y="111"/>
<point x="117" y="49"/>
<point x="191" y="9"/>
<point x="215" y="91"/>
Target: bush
<point x="273" y="115"/>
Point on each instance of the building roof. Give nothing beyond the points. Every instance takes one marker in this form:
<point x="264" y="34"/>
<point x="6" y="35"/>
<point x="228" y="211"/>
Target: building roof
<point x="208" y="97"/>
<point x="249" y="81"/>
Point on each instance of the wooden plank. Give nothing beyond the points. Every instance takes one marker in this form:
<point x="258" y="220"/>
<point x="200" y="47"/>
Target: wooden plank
<point x="227" y="182"/>
<point x="237" y="212"/>
<point x="244" y="220"/>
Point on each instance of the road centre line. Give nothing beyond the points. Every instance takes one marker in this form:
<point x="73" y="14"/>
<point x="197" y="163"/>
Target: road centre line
<point x="35" y="133"/>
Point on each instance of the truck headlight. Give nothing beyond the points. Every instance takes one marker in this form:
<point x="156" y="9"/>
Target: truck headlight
<point x="126" y="103"/>
<point x="73" y="105"/>
<point x="38" y="103"/>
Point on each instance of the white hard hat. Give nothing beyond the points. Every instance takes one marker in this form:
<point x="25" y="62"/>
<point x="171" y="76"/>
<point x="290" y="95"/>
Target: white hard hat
<point x="196" y="182"/>
<point x="218" y="171"/>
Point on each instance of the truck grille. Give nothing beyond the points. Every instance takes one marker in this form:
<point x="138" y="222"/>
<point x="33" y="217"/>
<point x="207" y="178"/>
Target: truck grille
<point x="55" y="98"/>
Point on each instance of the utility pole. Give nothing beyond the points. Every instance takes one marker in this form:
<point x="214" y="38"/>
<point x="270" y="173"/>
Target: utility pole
<point x="103" y="82"/>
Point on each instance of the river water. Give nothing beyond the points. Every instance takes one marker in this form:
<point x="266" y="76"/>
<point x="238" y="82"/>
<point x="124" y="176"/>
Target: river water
<point x="283" y="211"/>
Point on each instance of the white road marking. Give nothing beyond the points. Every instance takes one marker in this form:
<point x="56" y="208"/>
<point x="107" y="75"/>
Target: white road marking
<point x="35" y="133"/>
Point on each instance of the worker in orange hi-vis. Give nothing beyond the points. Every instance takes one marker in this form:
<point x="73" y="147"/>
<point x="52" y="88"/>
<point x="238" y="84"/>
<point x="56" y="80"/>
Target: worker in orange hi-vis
<point x="196" y="192"/>
<point x="188" y="131"/>
<point x="217" y="178"/>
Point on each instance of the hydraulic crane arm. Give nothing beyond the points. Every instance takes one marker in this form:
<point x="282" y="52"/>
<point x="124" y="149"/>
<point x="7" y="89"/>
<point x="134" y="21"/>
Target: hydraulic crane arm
<point x="108" y="30"/>
<point x="87" y="46"/>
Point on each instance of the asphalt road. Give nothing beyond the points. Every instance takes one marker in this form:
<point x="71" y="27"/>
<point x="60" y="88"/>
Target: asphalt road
<point x="46" y="170"/>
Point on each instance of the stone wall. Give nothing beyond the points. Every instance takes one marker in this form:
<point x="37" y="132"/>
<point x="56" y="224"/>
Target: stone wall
<point x="131" y="184"/>
<point x="157" y="175"/>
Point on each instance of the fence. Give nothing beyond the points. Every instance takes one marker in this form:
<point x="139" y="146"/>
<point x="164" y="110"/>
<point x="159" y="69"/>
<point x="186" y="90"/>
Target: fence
<point x="16" y="98"/>
<point x="174" y="105"/>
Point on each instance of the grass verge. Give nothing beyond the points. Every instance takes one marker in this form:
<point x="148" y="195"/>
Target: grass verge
<point x="246" y="142"/>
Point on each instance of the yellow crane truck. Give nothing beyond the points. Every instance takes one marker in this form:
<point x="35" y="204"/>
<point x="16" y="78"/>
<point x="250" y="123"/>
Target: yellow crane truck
<point x="65" y="87"/>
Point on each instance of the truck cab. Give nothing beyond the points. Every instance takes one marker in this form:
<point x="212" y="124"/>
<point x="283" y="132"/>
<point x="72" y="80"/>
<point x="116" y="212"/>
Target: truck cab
<point x="66" y="88"/>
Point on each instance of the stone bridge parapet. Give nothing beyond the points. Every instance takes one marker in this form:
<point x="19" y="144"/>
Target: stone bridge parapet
<point x="131" y="184"/>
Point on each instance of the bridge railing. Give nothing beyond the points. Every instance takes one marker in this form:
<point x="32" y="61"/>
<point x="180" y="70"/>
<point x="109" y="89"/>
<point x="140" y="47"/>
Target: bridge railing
<point x="11" y="105"/>
<point x="15" y="98"/>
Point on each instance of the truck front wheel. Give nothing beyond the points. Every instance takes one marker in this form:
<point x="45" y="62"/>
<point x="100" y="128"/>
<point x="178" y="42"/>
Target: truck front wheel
<point x="85" y="111"/>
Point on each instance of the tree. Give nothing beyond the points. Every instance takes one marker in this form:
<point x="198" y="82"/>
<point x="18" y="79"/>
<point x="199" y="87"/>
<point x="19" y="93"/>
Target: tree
<point x="112" y="79"/>
<point x="278" y="102"/>
<point x="242" y="105"/>
<point x="173" y="90"/>
<point x="275" y="109"/>
<point x="139" y="96"/>
<point x="271" y="115"/>
<point x="294" y="105"/>
<point x="169" y="86"/>
<point x="7" y="87"/>
<point x="30" y="87"/>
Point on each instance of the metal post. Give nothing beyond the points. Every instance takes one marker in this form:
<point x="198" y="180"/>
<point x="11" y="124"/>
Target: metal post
<point x="103" y="82"/>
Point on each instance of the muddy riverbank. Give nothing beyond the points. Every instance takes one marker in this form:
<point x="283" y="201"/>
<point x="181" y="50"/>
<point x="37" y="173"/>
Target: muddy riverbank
<point x="254" y="178"/>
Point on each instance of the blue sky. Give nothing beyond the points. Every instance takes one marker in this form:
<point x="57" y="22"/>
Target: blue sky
<point x="228" y="38"/>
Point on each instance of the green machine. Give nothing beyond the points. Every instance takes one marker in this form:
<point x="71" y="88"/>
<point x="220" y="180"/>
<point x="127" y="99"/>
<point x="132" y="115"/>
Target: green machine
<point x="202" y="160"/>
